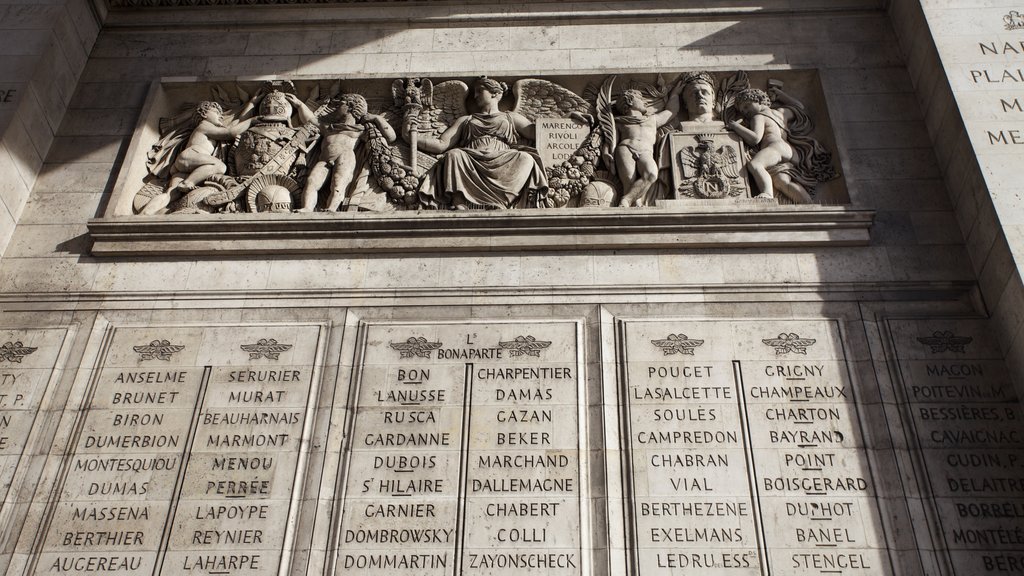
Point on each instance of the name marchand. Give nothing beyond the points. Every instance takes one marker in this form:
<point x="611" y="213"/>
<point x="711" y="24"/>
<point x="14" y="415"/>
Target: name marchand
<point x="515" y="461"/>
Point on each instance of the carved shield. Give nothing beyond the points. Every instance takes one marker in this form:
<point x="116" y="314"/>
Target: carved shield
<point x="259" y="145"/>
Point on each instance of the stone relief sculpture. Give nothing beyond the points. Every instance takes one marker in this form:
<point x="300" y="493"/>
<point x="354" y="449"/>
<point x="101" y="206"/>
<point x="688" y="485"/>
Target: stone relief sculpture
<point x="345" y="131"/>
<point x="197" y="161"/>
<point x="443" y="146"/>
<point x="485" y="158"/>
<point x="785" y="157"/>
<point x="634" y="134"/>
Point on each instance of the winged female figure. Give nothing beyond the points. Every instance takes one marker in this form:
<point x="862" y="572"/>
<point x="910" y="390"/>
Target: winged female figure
<point x="483" y="164"/>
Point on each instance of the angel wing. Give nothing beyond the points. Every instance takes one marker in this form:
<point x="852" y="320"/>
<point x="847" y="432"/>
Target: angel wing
<point x="438" y="106"/>
<point x="449" y="100"/>
<point x="536" y="98"/>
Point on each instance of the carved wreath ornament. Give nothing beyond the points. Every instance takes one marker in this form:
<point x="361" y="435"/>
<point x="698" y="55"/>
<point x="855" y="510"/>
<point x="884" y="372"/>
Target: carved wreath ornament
<point x="14" y="352"/>
<point x="791" y="342"/>
<point x="941" y="341"/>
<point x="158" y="350"/>
<point x="677" y="344"/>
<point x="524" y="345"/>
<point x="267" y="348"/>
<point x="454" y="145"/>
<point x="415" y="346"/>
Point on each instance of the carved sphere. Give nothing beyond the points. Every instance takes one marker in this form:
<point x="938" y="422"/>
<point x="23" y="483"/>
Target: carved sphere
<point x="274" y="198"/>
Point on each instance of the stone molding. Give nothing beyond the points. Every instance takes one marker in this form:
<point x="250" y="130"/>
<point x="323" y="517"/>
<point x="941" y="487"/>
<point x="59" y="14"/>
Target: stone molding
<point x="673" y="224"/>
<point x="150" y="14"/>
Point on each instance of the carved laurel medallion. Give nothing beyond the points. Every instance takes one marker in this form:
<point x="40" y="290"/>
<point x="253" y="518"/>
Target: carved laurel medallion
<point x="678" y="344"/>
<point x="415" y="346"/>
<point x="14" y="352"/>
<point x="159" y="350"/>
<point x="945" y="341"/>
<point x="265" y="348"/>
<point x="792" y="342"/>
<point x="527" y="345"/>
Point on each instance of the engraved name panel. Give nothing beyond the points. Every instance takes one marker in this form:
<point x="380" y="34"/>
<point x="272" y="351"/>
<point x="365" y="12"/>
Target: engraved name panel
<point x="968" y="422"/>
<point x="745" y="451"/>
<point x="188" y="454"/>
<point x="465" y="452"/>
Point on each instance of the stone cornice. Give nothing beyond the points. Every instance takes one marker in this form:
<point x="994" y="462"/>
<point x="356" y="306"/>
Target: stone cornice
<point x="706" y="6"/>
<point x="673" y="224"/>
<point x="145" y="14"/>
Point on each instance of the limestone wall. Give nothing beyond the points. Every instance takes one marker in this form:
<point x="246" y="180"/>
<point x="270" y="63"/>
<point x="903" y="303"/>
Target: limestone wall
<point x="44" y="47"/>
<point x="885" y="335"/>
<point x="884" y="151"/>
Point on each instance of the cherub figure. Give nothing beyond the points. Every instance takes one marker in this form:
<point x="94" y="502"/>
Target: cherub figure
<point x="197" y="161"/>
<point x="767" y="131"/>
<point x="342" y="130"/>
<point x="637" y="135"/>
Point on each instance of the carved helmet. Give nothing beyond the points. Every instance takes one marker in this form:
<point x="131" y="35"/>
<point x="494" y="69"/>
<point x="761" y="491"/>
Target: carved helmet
<point x="274" y="198"/>
<point x="275" y="107"/>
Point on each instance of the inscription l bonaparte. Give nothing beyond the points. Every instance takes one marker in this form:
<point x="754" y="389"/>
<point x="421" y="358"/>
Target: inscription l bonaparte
<point x="465" y="454"/>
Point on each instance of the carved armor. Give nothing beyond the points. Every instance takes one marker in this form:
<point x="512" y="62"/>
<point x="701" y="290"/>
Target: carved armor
<point x="259" y="149"/>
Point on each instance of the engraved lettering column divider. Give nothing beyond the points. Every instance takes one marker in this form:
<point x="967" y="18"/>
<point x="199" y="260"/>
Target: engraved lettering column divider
<point x="460" y="526"/>
<point x="304" y="449"/>
<point x="176" y="493"/>
<point x="748" y="453"/>
<point x="348" y="441"/>
<point x="625" y="450"/>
